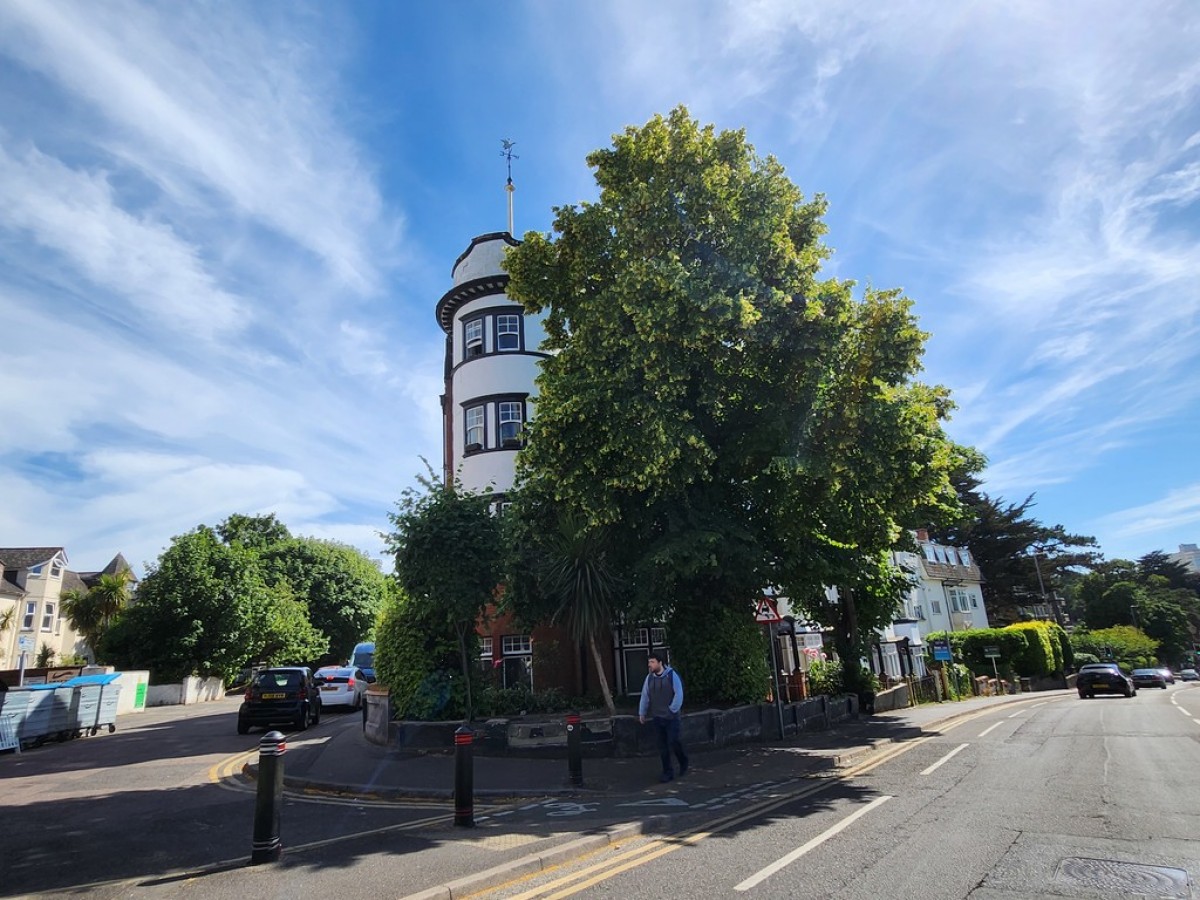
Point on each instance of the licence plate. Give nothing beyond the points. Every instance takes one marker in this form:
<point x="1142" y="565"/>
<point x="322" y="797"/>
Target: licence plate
<point x="329" y="687"/>
<point x="273" y="696"/>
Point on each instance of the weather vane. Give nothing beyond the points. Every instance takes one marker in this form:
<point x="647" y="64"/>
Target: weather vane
<point x="509" y="156"/>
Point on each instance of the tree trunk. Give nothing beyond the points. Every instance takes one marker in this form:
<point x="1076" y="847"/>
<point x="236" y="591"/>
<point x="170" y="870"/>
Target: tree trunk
<point x="847" y="641"/>
<point x="608" y="700"/>
<point x="462" y="651"/>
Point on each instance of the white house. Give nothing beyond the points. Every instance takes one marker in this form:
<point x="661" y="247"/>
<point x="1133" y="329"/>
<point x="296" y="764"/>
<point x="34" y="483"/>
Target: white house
<point x="32" y="582"/>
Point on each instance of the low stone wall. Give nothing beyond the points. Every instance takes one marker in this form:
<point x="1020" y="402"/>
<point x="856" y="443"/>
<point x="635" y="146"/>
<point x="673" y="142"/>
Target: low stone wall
<point x="621" y="736"/>
<point x="192" y="690"/>
<point x="893" y="698"/>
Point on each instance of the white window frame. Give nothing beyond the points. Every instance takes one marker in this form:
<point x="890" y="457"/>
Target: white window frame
<point x="48" y="616"/>
<point x="936" y="606"/>
<point x="930" y="554"/>
<point x="30" y="615"/>
<point x="479" y="427"/>
<point x="473" y="338"/>
<point x="505" y="412"/>
<point x="658" y="637"/>
<point x="508" y="325"/>
<point x="516" y="645"/>
<point x="487" y="647"/>
<point x="639" y="637"/>
<point x="55" y="570"/>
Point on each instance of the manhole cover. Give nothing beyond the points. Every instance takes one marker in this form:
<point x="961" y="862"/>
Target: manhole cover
<point x="1109" y="875"/>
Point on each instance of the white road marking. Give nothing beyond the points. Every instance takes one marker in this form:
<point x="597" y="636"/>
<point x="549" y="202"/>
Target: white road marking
<point x="1019" y="712"/>
<point x="945" y="759"/>
<point x="1197" y="721"/>
<point x="764" y="874"/>
<point x="989" y="728"/>
<point x="1184" y="711"/>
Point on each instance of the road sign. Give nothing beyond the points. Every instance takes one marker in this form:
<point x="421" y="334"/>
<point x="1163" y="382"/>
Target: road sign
<point x="941" y="649"/>
<point x="991" y="652"/>
<point x="765" y="611"/>
<point x="25" y="643"/>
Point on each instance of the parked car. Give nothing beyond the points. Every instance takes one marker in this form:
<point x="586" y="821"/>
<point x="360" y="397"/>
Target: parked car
<point x="281" y="696"/>
<point x="1167" y="674"/>
<point x="1149" y="678"/>
<point x="1189" y="675"/>
<point x="1104" y="678"/>
<point x="363" y="658"/>
<point x="341" y="685"/>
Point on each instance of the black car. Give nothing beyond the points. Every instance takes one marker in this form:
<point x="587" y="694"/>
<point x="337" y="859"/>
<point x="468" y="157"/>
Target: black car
<point x="1104" y="678"/>
<point x="1149" y="678"/>
<point x="281" y="696"/>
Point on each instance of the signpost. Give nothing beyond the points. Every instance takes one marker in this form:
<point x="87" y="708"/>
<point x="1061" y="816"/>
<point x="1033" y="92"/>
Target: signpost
<point x="766" y="612"/>
<point x="25" y="645"/>
<point x="941" y="649"/>
<point x="993" y="653"/>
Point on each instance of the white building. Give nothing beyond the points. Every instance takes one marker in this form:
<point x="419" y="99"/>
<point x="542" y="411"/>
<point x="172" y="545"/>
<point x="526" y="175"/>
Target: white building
<point x="1188" y="556"/>
<point x="946" y="595"/>
<point x="492" y="354"/>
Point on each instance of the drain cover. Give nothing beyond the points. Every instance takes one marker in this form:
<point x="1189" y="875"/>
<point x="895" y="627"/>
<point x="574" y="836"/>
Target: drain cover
<point x="1109" y="875"/>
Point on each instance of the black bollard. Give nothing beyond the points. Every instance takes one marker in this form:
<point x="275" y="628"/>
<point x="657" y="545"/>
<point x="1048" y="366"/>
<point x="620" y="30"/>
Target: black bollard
<point x="266" y="847"/>
<point x="464" y="778"/>
<point x="575" y="749"/>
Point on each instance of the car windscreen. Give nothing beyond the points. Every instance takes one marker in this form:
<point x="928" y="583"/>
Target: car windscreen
<point x="364" y="659"/>
<point x="277" y="680"/>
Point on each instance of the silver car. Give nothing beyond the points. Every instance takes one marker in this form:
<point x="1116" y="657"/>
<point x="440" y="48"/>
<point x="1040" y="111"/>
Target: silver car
<point x="341" y="685"/>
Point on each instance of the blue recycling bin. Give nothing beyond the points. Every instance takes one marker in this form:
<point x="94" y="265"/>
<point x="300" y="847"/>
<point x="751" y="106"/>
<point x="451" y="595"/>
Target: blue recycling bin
<point x="96" y="701"/>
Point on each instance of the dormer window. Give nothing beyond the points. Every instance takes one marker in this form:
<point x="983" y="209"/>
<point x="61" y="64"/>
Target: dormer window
<point x="473" y="337"/>
<point x="508" y="332"/>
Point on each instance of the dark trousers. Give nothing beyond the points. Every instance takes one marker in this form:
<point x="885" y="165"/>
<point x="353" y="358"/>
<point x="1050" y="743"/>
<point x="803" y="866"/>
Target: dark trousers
<point x="667" y="732"/>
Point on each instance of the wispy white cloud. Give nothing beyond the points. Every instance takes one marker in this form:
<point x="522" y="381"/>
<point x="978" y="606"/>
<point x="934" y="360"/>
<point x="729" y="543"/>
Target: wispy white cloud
<point x="140" y="262"/>
<point x="1178" y="511"/>
<point x="209" y="100"/>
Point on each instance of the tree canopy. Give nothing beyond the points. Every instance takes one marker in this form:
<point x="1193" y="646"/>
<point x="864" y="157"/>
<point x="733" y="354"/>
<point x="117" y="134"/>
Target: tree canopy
<point x="730" y="418"/>
<point x="448" y="549"/>
<point x="245" y="591"/>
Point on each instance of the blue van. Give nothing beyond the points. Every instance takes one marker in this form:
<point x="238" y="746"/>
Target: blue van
<point x="363" y="658"/>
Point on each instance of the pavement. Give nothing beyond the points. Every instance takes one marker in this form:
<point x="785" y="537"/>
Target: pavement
<point x="344" y="762"/>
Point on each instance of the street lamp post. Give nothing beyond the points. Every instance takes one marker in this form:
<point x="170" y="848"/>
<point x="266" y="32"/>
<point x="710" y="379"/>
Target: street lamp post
<point x="1042" y="587"/>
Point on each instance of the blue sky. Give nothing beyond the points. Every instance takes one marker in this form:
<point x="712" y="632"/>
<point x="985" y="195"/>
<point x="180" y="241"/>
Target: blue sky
<point x="224" y="227"/>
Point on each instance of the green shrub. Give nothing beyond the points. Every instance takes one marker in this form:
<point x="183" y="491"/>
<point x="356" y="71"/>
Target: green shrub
<point x="825" y="677"/>
<point x="720" y="654"/>
<point x="1083" y="659"/>
<point x="1039" y="657"/>
<point x="418" y="661"/>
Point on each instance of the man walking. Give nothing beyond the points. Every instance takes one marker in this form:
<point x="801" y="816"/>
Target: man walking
<point x="662" y="698"/>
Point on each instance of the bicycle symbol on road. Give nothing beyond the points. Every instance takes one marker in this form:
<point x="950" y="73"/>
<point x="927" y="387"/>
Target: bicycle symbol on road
<point x="571" y="809"/>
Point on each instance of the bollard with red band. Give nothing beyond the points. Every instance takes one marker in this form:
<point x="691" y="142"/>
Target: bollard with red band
<point x="269" y="799"/>
<point x="464" y="777"/>
<point x="575" y="749"/>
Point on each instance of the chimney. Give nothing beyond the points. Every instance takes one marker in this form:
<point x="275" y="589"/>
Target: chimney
<point x="922" y="535"/>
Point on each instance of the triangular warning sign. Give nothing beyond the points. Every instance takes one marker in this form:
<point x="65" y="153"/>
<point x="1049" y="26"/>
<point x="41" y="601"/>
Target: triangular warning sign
<point x="765" y="611"/>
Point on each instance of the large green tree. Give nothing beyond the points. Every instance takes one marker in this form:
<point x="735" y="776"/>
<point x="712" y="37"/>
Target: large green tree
<point x="205" y="609"/>
<point x="1018" y="555"/>
<point x="731" y="419"/>
<point x="449" y="561"/>
<point x="341" y="588"/>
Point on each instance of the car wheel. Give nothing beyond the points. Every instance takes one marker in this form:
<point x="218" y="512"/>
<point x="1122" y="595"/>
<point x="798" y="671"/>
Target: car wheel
<point x="243" y="727"/>
<point x="1129" y="692"/>
<point x="317" y="714"/>
<point x="302" y="719"/>
<point x="1082" y="695"/>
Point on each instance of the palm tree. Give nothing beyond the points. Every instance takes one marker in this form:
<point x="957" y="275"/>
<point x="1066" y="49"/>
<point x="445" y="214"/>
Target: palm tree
<point x="577" y="575"/>
<point x="83" y="614"/>
<point x="92" y="612"/>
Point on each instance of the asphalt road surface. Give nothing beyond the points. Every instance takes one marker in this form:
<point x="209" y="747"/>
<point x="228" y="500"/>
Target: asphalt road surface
<point x="1068" y="798"/>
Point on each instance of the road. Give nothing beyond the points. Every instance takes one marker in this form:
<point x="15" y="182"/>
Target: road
<point x="133" y="812"/>
<point x="1022" y="801"/>
<point x="1095" y="798"/>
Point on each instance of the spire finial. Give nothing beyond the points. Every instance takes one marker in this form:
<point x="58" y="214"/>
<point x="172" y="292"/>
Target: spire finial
<point x="509" y="156"/>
